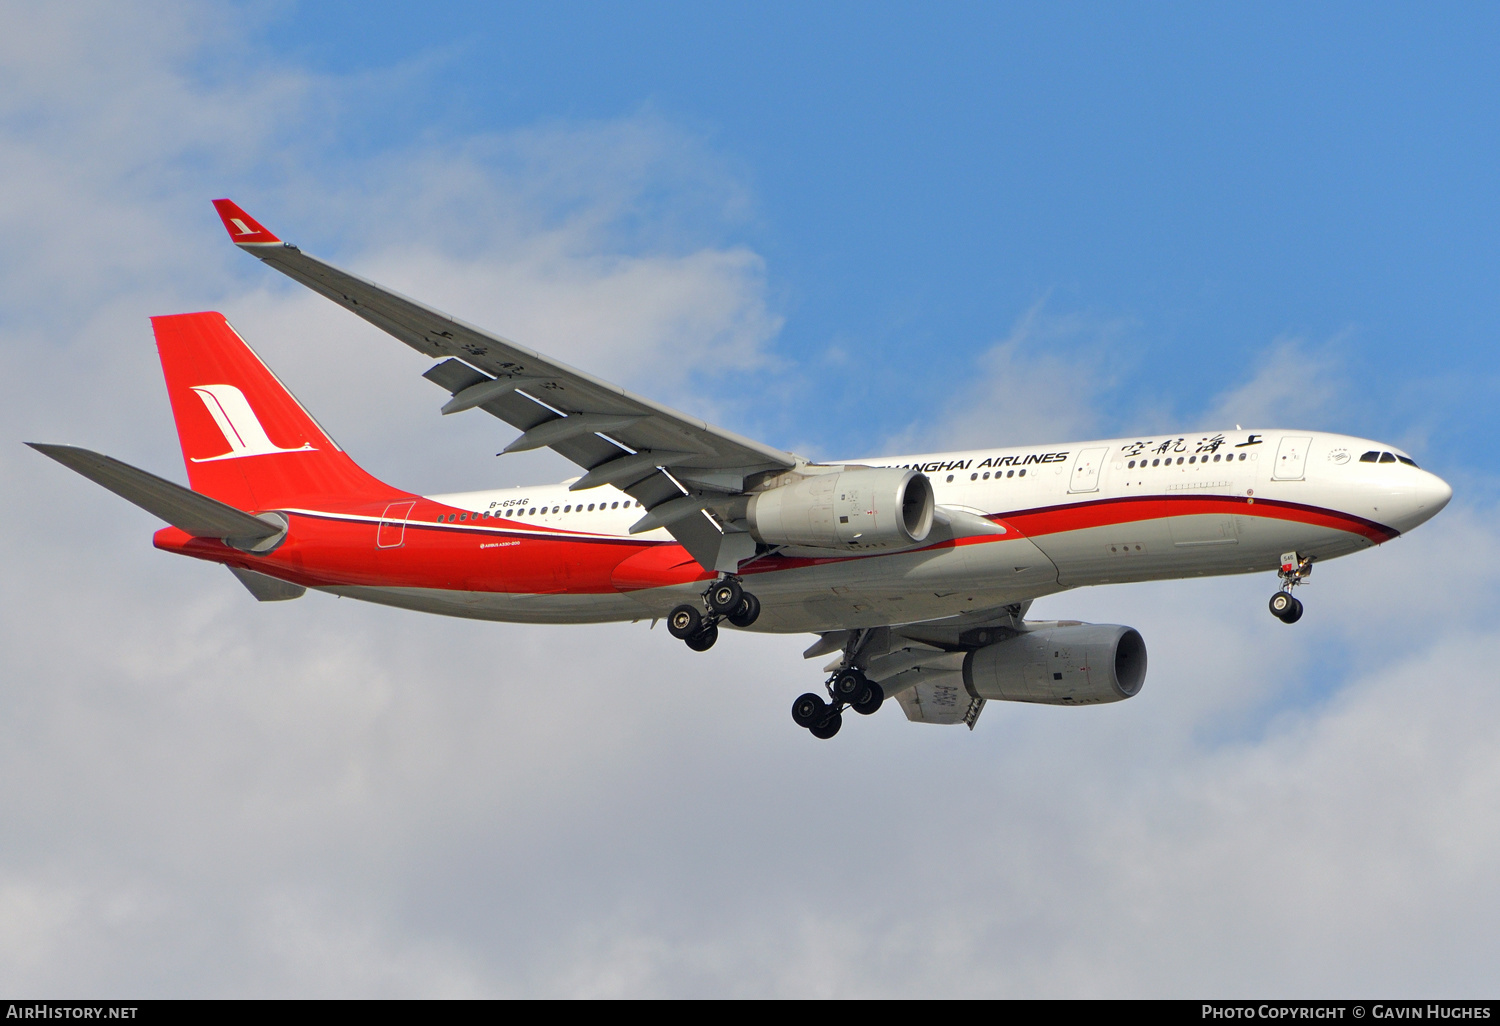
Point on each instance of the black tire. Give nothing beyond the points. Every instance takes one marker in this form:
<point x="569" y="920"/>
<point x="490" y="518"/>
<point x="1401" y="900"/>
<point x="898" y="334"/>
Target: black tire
<point x="724" y="597"/>
<point x="1294" y="614"/>
<point x="809" y="709"/>
<point x="747" y="613"/>
<point x="1281" y="603"/>
<point x="704" y="639"/>
<point x="849" y="685"/>
<point x="683" y="622"/>
<point x="871" y="701"/>
<point x="828" y="727"/>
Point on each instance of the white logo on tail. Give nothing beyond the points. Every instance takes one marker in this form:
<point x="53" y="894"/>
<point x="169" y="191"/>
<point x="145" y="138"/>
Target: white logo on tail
<point x="242" y="229"/>
<point x="231" y="411"/>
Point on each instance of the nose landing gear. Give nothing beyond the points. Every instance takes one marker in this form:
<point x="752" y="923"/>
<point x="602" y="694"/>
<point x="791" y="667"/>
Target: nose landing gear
<point x="1294" y="570"/>
<point x="725" y="599"/>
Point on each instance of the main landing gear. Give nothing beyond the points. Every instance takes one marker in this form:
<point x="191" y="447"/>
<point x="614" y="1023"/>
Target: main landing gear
<point x="848" y="688"/>
<point x="698" y="625"/>
<point x="1294" y="570"/>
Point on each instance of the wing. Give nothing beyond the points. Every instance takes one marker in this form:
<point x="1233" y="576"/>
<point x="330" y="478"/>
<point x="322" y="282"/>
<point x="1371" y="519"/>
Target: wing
<point x="673" y="464"/>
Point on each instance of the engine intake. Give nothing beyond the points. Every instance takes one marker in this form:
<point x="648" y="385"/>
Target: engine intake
<point x="860" y="508"/>
<point x="1070" y="664"/>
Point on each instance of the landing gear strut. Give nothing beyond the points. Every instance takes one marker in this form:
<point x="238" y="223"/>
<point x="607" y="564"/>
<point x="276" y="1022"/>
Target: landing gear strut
<point x="849" y="688"/>
<point x="1295" y="569"/>
<point x="725" y="599"/>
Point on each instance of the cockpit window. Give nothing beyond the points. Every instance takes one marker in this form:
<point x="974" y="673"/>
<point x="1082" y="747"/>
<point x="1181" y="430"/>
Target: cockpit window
<point x="1386" y="457"/>
<point x="1407" y="460"/>
<point x="1370" y="457"/>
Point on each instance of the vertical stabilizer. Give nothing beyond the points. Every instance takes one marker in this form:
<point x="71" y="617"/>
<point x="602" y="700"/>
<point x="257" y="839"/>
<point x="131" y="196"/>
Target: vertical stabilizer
<point x="245" y="439"/>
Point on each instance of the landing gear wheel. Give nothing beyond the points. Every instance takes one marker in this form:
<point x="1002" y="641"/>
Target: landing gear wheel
<point x="870" y="701"/>
<point x="849" y="685"/>
<point x="828" y="727"/>
<point x="809" y="710"/>
<point x="724" y="597"/>
<point x="1282" y="603"/>
<point x="1294" y="614"/>
<point x="704" y="639"/>
<point x="747" y="613"/>
<point x="683" y="622"/>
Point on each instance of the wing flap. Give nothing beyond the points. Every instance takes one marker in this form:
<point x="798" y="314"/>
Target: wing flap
<point x="941" y="700"/>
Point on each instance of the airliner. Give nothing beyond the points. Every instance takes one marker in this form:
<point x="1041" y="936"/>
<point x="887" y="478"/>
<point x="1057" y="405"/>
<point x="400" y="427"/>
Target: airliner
<point x="915" y="572"/>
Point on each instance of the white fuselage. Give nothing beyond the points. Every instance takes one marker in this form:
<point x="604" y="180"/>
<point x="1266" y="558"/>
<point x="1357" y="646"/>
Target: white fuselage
<point x="1117" y="510"/>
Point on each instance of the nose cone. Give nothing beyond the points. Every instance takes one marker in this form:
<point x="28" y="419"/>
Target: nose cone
<point x="1421" y="498"/>
<point x="1435" y="493"/>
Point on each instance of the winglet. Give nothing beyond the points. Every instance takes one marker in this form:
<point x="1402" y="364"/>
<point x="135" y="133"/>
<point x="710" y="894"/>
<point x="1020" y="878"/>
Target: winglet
<point x="242" y="228"/>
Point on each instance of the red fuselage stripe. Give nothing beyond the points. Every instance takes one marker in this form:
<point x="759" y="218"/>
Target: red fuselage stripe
<point x="328" y="548"/>
<point x="1077" y="516"/>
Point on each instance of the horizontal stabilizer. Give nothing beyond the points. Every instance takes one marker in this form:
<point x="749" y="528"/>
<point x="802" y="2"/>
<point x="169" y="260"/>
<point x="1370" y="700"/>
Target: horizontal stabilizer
<point x="266" y="588"/>
<point x="181" y="507"/>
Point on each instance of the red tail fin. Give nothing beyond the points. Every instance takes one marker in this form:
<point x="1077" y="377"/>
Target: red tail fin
<point x="245" y="439"/>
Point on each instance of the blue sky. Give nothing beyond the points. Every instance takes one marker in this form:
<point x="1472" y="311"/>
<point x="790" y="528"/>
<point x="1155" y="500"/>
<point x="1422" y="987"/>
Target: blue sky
<point x="1209" y="179"/>
<point x="843" y="229"/>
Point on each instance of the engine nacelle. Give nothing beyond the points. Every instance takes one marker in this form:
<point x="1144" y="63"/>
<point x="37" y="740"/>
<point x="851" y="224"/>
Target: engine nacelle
<point x="869" y="508"/>
<point x="1070" y="664"/>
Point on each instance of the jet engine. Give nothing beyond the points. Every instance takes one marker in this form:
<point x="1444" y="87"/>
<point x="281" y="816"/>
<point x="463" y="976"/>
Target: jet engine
<point x="1068" y="664"/>
<point x="858" y="508"/>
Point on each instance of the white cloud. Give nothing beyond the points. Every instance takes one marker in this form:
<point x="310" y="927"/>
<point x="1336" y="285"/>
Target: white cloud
<point x="1294" y="384"/>
<point x="1042" y="382"/>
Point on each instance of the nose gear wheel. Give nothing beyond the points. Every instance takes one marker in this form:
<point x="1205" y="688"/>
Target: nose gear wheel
<point x="1295" y="569"/>
<point x="1285" y="607"/>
